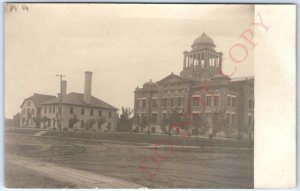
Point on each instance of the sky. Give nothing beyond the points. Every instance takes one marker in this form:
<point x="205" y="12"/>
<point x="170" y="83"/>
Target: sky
<point x="123" y="45"/>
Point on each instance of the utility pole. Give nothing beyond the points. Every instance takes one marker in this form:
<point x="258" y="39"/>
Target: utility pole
<point x="60" y="104"/>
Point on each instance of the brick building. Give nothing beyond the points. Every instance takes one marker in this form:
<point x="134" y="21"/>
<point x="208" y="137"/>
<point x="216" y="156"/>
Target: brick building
<point x="200" y="91"/>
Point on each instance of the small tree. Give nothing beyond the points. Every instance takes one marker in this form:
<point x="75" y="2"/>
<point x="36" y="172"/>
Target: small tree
<point x="220" y="122"/>
<point x="73" y="120"/>
<point x="100" y="122"/>
<point x="125" y="120"/>
<point x="89" y="123"/>
<point x="178" y="121"/>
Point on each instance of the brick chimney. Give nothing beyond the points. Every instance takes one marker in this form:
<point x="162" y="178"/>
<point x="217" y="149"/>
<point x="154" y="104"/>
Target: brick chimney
<point x="87" y="87"/>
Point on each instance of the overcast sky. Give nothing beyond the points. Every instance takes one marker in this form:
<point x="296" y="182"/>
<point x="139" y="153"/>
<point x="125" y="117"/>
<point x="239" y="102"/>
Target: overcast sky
<point x="123" y="45"/>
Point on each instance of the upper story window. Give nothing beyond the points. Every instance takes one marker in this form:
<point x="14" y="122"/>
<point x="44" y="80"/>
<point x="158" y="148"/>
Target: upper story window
<point x="23" y="111"/>
<point x="109" y="114"/>
<point x="28" y="102"/>
<point x="216" y="100"/>
<point x="91" y="112"/>
<point x="82" y="111"/>
<point x="140" y="103"/>
<point x="144" y="102"/>
<point x="71" y="110"/>
<point x="100" y="113"/>
<point x="32" y="111"/>
<point x="231" y="100"/>
<point x="196" y="101"/>
<point x="154" y="102"/>
<point x="212" y="100"/>
<point x="208" y="100"/>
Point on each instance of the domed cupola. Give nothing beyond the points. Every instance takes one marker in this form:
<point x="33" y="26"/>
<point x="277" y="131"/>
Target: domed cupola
<point x="203" y="42"/>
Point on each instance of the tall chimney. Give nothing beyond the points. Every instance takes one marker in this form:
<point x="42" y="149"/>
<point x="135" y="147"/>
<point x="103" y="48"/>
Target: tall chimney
<point x="64" y="87"/>
<point x="87" y="87"/>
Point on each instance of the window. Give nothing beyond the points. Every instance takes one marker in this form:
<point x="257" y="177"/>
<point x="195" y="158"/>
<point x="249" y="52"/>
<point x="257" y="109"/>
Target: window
<point x="54" y="109"/>
<point x="92" y="112"/>
<point x="208" y="100"/>
<point x="179" y="101"/>
<point x="100" y="113"/>
<point x="232" y="118"/>
<point x="196" y="101"/>
<point x="71" y="110"/>
<point x="82" y="111"/>
<point x="32" y="111"/>
<point x="233" y="102"/>
<point x="138" y="118"/>
<point x="164" y="102"/>
<point x="23" y="111"/>
<point x="28" y="102"/>
<point x="49" y="109"/>
<point x="164" y="118"/>
<point x="109" y="114"/>
<point x="140" y="103"/>
<point x="28" y="111"/>
<point x="154" y="117"/>
<point x="108" y="126"/>
<point x="45" y="110"/>
<point x="171" y="102"/>
<point x="144" y="103"/>
<point x="216" y="100"/>
<point x="154" y="103"/>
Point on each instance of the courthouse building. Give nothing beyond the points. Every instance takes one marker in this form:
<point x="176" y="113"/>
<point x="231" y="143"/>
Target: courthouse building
<point x="200" y="90"/>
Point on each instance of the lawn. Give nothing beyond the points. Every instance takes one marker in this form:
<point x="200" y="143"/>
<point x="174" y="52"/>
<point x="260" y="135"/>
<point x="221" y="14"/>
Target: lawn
<point x="180" y="168"/>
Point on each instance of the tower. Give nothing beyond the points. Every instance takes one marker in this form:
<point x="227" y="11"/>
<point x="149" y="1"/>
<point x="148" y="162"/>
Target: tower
<point x="202" y="62"/>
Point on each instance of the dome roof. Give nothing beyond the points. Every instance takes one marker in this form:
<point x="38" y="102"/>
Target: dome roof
<point x="203" y="41"/>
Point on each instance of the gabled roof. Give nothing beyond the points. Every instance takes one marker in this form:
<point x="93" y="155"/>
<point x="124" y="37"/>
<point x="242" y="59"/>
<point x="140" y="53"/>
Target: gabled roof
<point x="77" y="99"/>
<point x="38" y="99"/>
<point x="172" y="78"/>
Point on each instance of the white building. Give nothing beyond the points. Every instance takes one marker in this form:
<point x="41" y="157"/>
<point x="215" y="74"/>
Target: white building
<point x="79" y="111"/>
